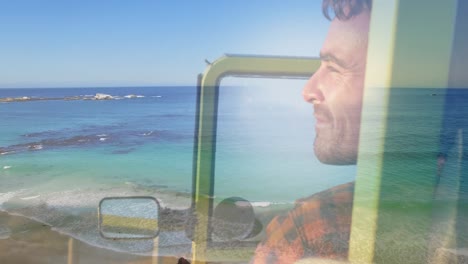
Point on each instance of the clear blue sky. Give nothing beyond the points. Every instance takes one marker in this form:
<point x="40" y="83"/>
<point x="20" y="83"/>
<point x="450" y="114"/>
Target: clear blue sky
<point x="59" y="43"/>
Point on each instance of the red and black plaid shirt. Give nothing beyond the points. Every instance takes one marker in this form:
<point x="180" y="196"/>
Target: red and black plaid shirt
<point x="319" y="226"/>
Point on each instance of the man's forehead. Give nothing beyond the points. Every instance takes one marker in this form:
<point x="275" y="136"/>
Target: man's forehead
<point x="347" y="38"/>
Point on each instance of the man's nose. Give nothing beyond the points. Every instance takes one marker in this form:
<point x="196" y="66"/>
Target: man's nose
<point x="312" y="92"/>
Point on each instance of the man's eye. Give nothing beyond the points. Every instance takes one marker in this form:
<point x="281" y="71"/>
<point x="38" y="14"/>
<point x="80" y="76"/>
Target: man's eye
<point x="332" y="69"/>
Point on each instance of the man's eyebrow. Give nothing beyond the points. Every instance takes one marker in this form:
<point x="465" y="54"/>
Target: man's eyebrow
<point x="332" y="58"/>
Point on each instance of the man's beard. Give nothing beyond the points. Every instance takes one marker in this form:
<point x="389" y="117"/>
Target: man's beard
<point x="332" y="147"/>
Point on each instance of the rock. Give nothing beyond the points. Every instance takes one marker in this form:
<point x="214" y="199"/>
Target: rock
<point x="101" y="96"/>
<point x="123" y="151"/>
<point x="19" y="99"/>
<point x="8" y="99"/>
<point x="72" y="98"/>
<point x="35" y="147"/>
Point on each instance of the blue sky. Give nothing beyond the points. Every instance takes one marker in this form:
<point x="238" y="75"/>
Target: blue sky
<point x="130" y="43"/>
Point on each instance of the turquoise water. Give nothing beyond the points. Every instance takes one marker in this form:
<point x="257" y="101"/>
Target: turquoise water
<point x="149" y="141"/>
<point x="60" y="158"/>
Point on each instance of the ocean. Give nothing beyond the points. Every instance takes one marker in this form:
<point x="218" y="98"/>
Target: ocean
<point x="61" y="157"/>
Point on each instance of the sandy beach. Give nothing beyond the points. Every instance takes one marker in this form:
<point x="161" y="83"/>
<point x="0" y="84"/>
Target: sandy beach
<point x="25" y="241"/>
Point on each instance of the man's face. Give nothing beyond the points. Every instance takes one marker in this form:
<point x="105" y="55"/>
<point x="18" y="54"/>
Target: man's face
<point x="336" y="90"/>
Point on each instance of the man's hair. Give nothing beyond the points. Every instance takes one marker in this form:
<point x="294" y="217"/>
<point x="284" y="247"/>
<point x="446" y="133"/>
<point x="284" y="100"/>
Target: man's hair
<point x="345" y="9"/>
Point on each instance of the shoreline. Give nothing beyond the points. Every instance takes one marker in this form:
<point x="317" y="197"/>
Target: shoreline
<point x="27" y="241"/>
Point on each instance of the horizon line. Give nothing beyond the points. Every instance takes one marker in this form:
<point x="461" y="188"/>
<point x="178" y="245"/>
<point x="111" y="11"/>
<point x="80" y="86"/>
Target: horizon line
<point x="99" y="86"/>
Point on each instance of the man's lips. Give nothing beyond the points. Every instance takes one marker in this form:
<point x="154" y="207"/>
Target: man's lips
<point x="321" y="122"/>
<point x="322" y="117"/>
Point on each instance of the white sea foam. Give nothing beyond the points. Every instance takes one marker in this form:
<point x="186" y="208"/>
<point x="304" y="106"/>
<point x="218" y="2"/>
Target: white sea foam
<point x="30" y="197"/>
<point x="80" y="198"/>
<point x="267" y="204"/>
<point x="74" y="213"/>
<point x="6" y="167"/>
<point x="242" y="203"/>
<point x="131" y="96"/>
<point x="261" y="204"/>
<point x="4" y="197"/>
<point x="148" y="133"/>
<point x="5" y="232"/>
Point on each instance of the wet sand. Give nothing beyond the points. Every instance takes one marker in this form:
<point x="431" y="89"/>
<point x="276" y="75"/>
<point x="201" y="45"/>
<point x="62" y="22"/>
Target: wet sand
<point x="25" y="241"/>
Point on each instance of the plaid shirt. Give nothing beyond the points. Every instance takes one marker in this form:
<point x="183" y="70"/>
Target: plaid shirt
<point x="318" y="226"/>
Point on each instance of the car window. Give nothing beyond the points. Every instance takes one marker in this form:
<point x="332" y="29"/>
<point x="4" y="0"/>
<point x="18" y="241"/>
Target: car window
<point x="302" y="140"/>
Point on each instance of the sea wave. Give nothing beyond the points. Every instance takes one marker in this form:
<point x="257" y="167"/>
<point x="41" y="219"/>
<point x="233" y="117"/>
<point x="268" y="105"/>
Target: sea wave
<point x="7" y="196"/>
<point x="74" y="213"/>
<point x="268" y="204"/>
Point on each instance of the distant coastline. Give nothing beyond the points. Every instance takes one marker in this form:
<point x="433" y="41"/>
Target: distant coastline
<point x="97" y="96"/>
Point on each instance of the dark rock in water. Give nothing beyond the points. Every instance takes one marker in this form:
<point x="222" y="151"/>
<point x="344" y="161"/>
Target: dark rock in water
<point x="5" y="151"/>
<point x="158" y="186"/>
<point x="123" y="139"/>
<point x="73" y="98"/>
<point x="53" y="142"/>
<point x="17" y="99"/>
<point x="47" y="133"/>
<point x="123" y="151"/>
<point x="26" y="99"/>
<point x="181" y="194"/>
<point x="98" y="96"/>
<point x="73" y="141"/>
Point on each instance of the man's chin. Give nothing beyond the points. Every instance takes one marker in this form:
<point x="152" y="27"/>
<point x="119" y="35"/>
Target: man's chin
<point x="333" y="155"/>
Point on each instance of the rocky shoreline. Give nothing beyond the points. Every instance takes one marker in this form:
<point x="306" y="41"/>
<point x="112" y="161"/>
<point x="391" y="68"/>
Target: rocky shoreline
<point x="27" y="241"/>
<point x="122" y="139"/>
<point x="98" y="96"/>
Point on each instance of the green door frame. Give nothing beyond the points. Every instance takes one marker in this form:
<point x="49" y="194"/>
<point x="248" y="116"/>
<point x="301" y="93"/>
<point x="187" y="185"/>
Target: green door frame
<point x="207" y="108"/>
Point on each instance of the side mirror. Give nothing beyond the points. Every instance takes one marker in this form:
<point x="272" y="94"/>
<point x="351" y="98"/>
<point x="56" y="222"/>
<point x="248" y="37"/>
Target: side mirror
<point x="233" y="219"/>
<point x="128" y="217"/>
